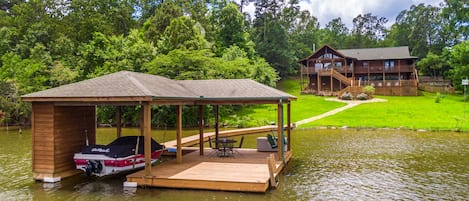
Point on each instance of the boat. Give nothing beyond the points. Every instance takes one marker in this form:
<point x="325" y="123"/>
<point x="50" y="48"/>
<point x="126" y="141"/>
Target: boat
<point x="121" y="155"/>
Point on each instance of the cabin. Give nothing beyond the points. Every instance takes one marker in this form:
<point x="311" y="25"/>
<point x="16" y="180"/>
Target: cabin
<point x="64" y="121"/>
<point x="331" y="72"/>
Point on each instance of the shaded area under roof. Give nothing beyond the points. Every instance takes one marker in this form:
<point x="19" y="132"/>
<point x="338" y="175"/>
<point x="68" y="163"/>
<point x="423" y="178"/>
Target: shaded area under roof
<point x="401" y="52"/>
<point x="132" y="86"/>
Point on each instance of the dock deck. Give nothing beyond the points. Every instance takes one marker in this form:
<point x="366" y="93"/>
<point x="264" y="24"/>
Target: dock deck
<point x="246" y="171"/>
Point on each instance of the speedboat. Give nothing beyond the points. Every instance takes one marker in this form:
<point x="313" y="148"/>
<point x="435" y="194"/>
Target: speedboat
<point x="121" y="155"/>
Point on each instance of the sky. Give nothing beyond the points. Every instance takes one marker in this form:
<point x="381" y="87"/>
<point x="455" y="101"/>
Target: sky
<point x="326" y="10"/>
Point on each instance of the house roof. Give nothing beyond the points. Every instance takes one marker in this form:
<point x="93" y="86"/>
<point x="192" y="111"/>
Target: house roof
<point x="401" y="52"/>
<point x="132" y="86"/>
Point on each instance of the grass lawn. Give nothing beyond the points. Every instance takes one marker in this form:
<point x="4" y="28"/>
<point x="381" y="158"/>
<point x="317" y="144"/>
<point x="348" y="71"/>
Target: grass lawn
<point x="306" y="106"/>
<point x="411" y="112"/>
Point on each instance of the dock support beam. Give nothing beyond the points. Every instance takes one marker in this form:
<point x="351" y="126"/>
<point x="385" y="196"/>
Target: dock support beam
<point x="289" y="125"/>
<point x="279" y="130"/>
<point x="118" y="121"/>
<point x="217" y="110"/>
<point x="147" y="133"/>
<point x="201" y="130"/>
<point x="179" y="133"/>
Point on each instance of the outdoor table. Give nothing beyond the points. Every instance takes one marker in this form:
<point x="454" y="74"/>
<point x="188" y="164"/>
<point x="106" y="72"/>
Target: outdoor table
<point x="224" y="146"/>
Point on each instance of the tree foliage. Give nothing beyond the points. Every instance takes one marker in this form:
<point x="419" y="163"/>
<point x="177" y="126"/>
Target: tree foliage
<point x="45" y="44"/>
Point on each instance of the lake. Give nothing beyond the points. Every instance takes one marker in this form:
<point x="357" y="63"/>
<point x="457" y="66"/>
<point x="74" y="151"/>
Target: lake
<point x="327" y="165"/>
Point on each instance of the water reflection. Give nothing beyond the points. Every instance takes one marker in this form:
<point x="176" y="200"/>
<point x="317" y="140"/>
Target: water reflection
<point x="327" y="165"/>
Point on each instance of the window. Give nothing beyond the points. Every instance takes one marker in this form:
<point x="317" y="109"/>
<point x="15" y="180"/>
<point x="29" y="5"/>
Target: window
<point x="388" y="64"/>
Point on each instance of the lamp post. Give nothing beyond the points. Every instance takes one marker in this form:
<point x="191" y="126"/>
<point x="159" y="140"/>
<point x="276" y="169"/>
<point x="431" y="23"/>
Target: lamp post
<point x="465" y="82"/>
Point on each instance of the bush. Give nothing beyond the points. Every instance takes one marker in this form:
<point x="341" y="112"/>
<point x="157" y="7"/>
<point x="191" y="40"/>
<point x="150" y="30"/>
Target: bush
<point x="438" y="97"/>
<point x="370" y="90"/>
<point x="346" y="96"/>
<point x="362" y="96"/>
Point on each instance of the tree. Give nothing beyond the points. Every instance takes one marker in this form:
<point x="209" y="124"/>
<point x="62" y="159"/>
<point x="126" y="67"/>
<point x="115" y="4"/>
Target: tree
<point x="335" y="33"/>
<point x="432" y="65"/>
<point x="459" y="62"/>
<point x="231" y="31"/>
<point x="367" y="31"/>
<point x="421" y="25"/>
<point x="456" y="18"/>
<point x="155" y="25"/>
<point x="182" y="33"/>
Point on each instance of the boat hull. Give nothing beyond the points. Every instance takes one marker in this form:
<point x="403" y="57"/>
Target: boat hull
<point x="102" y="165"/>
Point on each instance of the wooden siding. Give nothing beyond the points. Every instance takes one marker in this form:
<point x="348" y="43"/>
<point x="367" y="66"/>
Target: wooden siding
<point x="43" y="138"/>
<point x="71" y="126"/>
<point x="59" y="132"/>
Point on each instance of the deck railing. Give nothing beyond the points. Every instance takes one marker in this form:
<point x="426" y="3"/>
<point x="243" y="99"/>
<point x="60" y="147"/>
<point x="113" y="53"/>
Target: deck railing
<point x="389" y="83"/>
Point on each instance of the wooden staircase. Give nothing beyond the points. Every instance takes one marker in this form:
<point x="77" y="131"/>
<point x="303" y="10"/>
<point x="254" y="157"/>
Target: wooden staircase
<point x="341" y="77"/>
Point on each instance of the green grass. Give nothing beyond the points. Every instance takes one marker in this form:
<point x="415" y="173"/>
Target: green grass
<point x="410" y="112"/>
<point x="306" y="106"/>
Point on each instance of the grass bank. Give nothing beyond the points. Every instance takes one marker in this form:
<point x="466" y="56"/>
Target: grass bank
<point x="306" y="106"/>
<point x="421" y="112"/>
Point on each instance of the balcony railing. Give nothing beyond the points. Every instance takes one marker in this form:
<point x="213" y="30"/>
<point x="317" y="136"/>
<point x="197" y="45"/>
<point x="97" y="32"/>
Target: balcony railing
<point x="360" y="70"/>
<point x="388" y="83"/>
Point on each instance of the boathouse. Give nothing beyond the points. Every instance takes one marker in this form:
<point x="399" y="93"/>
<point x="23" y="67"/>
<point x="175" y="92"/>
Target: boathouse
<point x="64" y="118"/>
<point x="331" y="72"/>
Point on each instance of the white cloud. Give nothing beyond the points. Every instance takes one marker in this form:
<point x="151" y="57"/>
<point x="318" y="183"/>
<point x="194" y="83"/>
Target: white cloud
<point x="325" y="11"/>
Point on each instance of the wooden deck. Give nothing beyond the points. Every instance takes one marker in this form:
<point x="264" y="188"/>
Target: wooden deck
<point x="194" y="139"/>
<point x="246" y="171"/>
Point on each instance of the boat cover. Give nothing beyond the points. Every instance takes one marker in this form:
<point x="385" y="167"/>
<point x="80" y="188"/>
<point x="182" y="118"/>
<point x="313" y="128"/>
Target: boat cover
<point x="122" y="147"/>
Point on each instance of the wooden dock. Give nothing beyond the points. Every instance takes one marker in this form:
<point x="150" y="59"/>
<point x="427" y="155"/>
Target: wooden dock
<point x="246" y="171"/>
<point x="194" y="139"/>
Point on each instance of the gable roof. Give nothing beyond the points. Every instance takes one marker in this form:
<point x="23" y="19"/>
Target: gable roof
<point x="132" y="86"/>
<point x="401" y="52"/>
<point x="381" y="53"/>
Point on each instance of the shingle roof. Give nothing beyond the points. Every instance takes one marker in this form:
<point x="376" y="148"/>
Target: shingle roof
<point x="233" y="89"/>
<point x="401" y="52"/>
<point x="132" y="84"/>
<point x="120" y="84"/>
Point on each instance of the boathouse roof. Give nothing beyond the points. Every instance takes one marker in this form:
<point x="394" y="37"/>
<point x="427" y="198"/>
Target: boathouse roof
<point x="133" y="86"/>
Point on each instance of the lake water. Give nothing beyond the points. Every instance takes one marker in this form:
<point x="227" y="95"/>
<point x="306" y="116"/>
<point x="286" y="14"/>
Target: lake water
<point x="326" y="165"/>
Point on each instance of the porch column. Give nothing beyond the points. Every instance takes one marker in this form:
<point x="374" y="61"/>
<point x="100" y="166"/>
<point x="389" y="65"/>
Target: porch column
<point x="279" y="131"/>
<point x="118" y="121"/>
<point x="201" y="130"/>
<point x="217" y="110"/>
<point x="146" y="127"/>
<point x="142" y="114"/>
<point x="179" y="133"/>
<point x="289" y="125"/>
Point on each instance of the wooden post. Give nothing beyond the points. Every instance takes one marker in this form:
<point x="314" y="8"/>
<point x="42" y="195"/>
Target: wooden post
<point x="272" y="166"/>
<point x="142" y="116"/>
<point x="179" y="133"/>
<point x="146" y="127"/>
<point x="216" y="123"/>
<point x="319" y="83"/>
<point x="118" y="121"/>
<point x="201" y="130"/>
<point x="279" y="130"/>
<point x="289" y="125"/>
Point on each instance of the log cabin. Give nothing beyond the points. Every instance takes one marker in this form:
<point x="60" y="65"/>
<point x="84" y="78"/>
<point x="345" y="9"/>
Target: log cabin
<point x="331" y="72"/>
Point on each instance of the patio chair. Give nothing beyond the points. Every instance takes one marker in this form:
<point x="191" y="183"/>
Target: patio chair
<point x="215" y="148"/>
<point x="272" y="141"/>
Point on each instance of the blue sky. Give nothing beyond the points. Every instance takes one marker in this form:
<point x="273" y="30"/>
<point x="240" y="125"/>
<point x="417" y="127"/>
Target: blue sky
<point x="325" y="10"/>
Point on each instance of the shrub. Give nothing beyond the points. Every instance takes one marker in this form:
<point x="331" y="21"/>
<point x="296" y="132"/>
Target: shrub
<point x="438" y="97"/>
<point x="362" y="96"/>
<point x="370" y="90"/>
<point x="346" y="96"/>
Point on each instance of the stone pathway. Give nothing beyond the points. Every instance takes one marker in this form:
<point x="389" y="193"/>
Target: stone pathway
<point x="349" y="105"/>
